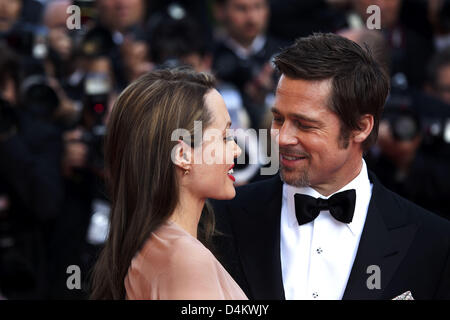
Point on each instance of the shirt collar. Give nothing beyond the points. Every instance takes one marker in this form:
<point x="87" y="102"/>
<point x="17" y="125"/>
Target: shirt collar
<point x="360" y="183"/>
<point x="243" y="53"/>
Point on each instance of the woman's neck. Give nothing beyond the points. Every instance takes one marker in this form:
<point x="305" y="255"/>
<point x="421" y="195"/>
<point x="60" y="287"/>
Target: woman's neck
<point x="187" y="213"/>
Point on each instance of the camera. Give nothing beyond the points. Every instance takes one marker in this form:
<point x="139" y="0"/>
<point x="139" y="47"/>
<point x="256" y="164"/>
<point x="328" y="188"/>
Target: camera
<point x="95" y="106"/>
<point x="29" y="40"/>
<point x="97" y="42"/>
<point x="410" y="115"/>
<point x="403" y="120"/>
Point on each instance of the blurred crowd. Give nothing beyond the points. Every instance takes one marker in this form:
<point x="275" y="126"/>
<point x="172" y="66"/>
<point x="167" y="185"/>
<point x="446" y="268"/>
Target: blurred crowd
<point x="59" y="80"/>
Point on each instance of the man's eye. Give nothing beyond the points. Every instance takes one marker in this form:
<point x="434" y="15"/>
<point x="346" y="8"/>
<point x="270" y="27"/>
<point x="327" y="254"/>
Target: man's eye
<point x="303" y="126"/>
<point x="279" y="120"/>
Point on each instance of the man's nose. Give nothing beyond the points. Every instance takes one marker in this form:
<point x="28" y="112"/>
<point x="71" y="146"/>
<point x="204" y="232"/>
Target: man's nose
<point x="286" y="135"/>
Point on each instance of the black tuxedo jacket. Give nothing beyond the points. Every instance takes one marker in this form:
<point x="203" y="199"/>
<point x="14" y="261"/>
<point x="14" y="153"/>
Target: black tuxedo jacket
<point x="409" y="244"/>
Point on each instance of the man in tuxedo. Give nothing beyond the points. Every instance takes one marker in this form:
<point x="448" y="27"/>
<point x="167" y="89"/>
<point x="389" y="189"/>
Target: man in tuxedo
<point x="325" y="227"/>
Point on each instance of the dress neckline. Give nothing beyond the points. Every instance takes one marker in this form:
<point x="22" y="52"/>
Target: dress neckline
<point x="179" y="228"/>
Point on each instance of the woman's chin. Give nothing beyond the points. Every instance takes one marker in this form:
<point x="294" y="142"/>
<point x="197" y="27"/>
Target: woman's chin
<point x="229" y="194"/>
<point x="232" y="194"/>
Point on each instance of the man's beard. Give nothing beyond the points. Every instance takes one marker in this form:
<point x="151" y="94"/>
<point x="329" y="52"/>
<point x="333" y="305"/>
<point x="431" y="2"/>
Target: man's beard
<point x="301" y="179"/>
<point x="297" y="177"/>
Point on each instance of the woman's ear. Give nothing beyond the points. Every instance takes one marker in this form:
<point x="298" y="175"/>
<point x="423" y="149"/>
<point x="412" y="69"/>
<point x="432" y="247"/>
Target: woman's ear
<point x="182" y="155"/>
<point x="366" y="125"/>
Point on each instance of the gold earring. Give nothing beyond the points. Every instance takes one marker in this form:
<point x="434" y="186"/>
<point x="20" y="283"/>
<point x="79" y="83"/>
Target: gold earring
<point x="186" y="172"/>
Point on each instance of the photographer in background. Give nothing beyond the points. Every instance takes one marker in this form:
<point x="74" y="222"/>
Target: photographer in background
<point x="242" y="54"/>
<point x="81" y="230"/>
<point x="61" y="46"/>
<point x="412" y="152"/>
<point x="10" y="11"/>
<point x="438" y="76"/>
<point x="21" y="30"/>
<point x="122" y="16"/>
<point x="30" y="181"/>
<point x="125" y="21"/>
<point x="439" y="17"/>
<point x="408" y="33"/>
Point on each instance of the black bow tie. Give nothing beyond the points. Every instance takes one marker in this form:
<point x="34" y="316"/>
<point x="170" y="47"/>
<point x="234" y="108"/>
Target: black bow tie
<point x="341" y="206"/>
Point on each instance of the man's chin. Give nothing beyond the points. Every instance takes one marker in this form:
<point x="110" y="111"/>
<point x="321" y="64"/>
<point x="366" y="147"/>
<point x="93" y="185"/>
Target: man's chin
<point x="294" y="178"/>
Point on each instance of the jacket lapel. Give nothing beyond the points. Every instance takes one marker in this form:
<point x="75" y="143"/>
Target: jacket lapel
<point x="257" y="230"/>
<point x="384" y="242"/>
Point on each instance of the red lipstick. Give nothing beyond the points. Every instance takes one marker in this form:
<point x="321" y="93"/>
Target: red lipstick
<point x="229" y="175"/>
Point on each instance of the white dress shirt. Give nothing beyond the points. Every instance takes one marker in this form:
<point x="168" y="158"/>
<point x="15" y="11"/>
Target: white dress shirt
<point x="317" y="257"/>
<point x="242" y="52"/>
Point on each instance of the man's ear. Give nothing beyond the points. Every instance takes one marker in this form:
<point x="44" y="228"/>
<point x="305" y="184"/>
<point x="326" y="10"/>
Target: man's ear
<point x="366" y="124"/>
<point x="182" y="155"/>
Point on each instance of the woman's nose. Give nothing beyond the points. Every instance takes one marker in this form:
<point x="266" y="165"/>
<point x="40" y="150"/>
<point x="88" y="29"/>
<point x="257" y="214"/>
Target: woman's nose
<point x="237" y="150"/>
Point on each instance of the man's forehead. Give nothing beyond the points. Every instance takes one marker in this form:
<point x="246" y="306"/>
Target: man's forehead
<point x="292" y="93"/>
<point x="302" y="87"/>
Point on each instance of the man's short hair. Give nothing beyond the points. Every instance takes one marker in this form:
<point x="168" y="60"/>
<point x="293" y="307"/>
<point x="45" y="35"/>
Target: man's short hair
<point x="359" y="85"/>
<point x="175" y="39"/>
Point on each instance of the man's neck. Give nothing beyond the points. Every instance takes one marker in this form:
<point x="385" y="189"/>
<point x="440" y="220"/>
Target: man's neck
<point x="340" y="180"/>
<point x="244" y="48"/>
<point x="244" y="43"/>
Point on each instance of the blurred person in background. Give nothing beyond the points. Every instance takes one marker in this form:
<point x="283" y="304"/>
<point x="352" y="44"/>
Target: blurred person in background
<point x="61" y="47"/>
<point x="10" y="11"/>
<point x="290" y="19"/>
<point x="136" y="58"/>
<point x="407" y="157"/>
<point x="408" y="32"/>
<point x="62" y="62"/>
<point x="20" y="26"/>
<point x="38" y="53"/>
<point x="439" y="16"/>
<point x="174" y="41"/>
<point x="31" y="189"/>
<point x="125" y="21"/>
<point x="198" y="10"/>
<point x="374" y="40"/>
<point x="242" y="55"/>
<point x="79" y="236"/>
<point x="121" y="15"/>
<point x="438" y="76"/>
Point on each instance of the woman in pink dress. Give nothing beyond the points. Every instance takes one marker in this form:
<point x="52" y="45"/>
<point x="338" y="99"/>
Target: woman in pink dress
<point x="167" y="150"/>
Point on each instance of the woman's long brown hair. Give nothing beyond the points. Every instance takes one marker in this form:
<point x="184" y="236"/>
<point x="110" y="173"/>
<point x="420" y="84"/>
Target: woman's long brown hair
<point x="141" y="177"/>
